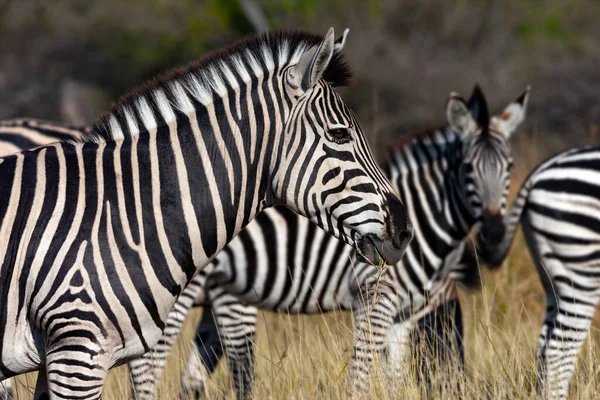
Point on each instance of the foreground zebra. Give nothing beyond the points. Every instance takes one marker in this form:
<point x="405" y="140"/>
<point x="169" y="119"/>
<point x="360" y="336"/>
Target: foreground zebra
<point x="450" y="179"/>
<point x="18" y="134"/>
<point x="98" y="239"/>
<point x="558" y="207"/>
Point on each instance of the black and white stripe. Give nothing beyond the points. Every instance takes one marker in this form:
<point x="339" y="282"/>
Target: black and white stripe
<point x="451" y="179"/>
<point x="99" y="238"/>
<point x="558" y="207"/>
<point x="27" y="133"/>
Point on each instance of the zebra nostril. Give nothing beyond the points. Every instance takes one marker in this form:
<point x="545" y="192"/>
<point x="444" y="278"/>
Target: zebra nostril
<point x="403" y="238"/>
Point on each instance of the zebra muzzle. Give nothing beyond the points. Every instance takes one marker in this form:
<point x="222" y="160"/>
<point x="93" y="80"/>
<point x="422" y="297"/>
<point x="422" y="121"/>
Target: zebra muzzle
<point x="372" y="248"/>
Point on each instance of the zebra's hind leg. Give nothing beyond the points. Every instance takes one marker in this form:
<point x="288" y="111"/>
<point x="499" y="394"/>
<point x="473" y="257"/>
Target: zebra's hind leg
<point x="204" y="357"/>
<point x="237" y="329"/>
<point x="562" y="336"/>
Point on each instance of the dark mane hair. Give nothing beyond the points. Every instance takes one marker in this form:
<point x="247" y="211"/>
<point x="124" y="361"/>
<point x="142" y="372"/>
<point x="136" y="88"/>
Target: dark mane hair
<point x="408" y="138"/>
<point x="269" y="49"/>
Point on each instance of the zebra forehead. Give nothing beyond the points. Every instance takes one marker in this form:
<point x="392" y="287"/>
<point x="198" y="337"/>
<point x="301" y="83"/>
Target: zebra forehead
<point x="215" y="73"/>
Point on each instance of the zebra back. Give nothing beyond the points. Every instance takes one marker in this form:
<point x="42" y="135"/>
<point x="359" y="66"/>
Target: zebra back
<point x="27" y="133"/>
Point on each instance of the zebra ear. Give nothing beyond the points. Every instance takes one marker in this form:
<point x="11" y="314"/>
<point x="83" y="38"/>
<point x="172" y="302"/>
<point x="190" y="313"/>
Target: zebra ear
<point x="458" y="115"/>
<point x="478" y="107"/>
<point x="313" y="63"/>
<point x="339" y="43"/>
<point x="513" y="114"/>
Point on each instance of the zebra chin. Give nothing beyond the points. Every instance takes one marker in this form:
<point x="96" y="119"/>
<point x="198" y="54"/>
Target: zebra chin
<point x="372" y="249"/>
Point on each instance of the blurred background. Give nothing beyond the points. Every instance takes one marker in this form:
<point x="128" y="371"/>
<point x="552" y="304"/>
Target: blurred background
<point x="69" y="59"/>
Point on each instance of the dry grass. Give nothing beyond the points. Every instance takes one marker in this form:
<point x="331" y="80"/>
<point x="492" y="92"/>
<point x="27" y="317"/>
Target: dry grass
<point x="302" y="357"/>
<point x="305" y="356"/>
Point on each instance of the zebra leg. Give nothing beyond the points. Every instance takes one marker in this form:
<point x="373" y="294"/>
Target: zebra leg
<point x="41" y="386"/>
<point x="561" y="338"/>
<point x="74" y="369"/>
<point x="570" y="304"/>
<point x="374" y="309"/>
<point x="147" y="370"/>
<point x="438" y="344"/>
<point x="237" y="328"/>
<point x="398" y="345"/>
<point x="204" y="357"/>
<point x="6" y="392"/>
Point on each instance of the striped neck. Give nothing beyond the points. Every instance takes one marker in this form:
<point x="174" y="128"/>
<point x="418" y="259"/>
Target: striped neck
<point x="215" y="149"/>
<point x="426" y="174"/>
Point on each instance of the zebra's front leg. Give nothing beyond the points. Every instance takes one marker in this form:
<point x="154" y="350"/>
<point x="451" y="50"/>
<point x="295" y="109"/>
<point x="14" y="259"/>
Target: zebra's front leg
<point x="237" y="328"/>
<point x="204" y="357"/>
<point x="374" y="309"/>
<point x="147" y="370"/>
<point x="437" y="339"/>
<point x="399" y="346"/>
<point x="6" y="392"/>
<point x="41" y="386"/>
<point x="75" y="369"/>
<point x="562" y="336"/>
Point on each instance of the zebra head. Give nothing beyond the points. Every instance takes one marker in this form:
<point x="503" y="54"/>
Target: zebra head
<point x="486" y="157"/>
<point x="338" y="185"/>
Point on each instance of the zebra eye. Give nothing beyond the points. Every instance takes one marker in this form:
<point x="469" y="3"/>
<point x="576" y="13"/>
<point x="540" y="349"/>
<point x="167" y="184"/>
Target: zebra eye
<point x="510" y="165"/>
<point x="340" y="135"/>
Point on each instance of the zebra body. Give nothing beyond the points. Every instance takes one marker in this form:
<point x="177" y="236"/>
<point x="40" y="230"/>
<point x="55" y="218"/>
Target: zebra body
<point x="558" y="207"/>
<point x="283" y="263"/>
<point x="99" y="238"/>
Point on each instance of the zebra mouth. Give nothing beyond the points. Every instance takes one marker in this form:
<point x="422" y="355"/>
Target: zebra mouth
<point x="375" y="251"/>
<point x="492" y="229"/>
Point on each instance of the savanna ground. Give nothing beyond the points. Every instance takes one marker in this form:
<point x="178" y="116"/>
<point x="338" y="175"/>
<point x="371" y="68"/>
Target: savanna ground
<point x="306" y="356"/>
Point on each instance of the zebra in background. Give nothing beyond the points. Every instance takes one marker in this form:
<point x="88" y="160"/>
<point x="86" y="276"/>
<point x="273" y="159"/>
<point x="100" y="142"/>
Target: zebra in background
<point x="27" y="133"/>
<point x="558" y="207"/>
<point x="99" y="238"/>
<point x="451" y="179"/>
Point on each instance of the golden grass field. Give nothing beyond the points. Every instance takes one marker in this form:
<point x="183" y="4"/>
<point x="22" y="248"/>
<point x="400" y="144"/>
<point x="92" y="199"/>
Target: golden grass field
<point x="304" y="357"/>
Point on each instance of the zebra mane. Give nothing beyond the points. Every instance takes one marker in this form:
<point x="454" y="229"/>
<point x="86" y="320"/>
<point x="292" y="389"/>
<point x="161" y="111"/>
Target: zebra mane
<point x="209" y="77"/>
<point x="442" y="134"/>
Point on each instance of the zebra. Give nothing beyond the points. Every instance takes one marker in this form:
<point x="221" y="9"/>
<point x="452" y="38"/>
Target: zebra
<point x="98" y="238"/>
<point x="558" y="207"/>
<point x="22" y="134"/>
<point x="27" y="133"/>
<point x="450" y="180"/>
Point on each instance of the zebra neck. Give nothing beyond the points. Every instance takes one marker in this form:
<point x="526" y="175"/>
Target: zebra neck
<point x="205" y="179"/>
<point x="425" y="173"/>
